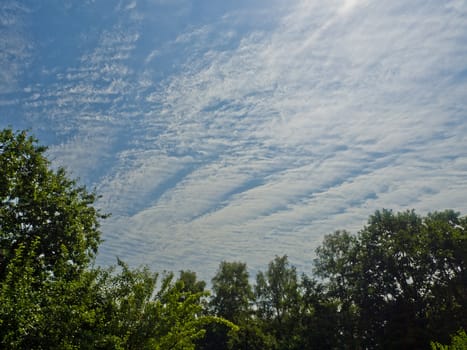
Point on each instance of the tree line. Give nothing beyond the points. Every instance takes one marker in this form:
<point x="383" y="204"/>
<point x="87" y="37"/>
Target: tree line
<point x="399" y="283"/>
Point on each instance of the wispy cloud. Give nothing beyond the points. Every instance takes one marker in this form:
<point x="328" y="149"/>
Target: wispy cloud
<point x="15" y="49"/>
<point x="229" y="143"/>
<point x="327" y="115"/>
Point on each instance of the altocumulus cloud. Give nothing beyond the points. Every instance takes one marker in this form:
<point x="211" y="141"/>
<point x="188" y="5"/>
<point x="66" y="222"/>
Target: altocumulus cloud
<point x="241" y="132"/>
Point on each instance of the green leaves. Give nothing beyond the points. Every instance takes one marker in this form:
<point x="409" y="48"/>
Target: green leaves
<point x="232" y="291"/>
<point x="36" y="201"/>
<point x="402" y="277"/>
<point x="141" y="312"/>
<point x="458" y="342"/>
<point x="20" y="313"/>
<point x="277" y="290"/>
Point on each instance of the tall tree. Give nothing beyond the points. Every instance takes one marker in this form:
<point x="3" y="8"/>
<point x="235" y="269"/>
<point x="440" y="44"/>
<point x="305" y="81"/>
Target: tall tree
<point x="190" y="282"/>
<point x="36" y="201"/>
<point x="232" y="292"/>
<point x="231" y="299"/>
<point x="318" y="323"/>
<point x="401" y="279"/>
<point x="337" y="264"/>
<point x="49" y="234"/>
<point x="444" y="236"/>
<point x="278" y="302"/>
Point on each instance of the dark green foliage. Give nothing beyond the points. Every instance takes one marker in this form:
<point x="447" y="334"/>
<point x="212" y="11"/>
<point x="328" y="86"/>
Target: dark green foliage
<point x="190" y="282"/>
<point x="318" y="318"/>
<point x="336" y="263"/>
<point x="252" y="336"/>
<point x="278" y="302"/>
<point x="458" y="342"/>
<point x="401" y="281"/>
<point x="232" y="292"/>
<point x="231" y="299"/>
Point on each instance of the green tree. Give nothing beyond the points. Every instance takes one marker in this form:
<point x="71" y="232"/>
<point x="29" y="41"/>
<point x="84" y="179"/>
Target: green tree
<point x="50" y="297"/>
<point x="444" y="236"/>
<point x="231" y="299"/>
<point x="36" y="201"/>
<point x="278" y="302"/>
<point x="319" y="317"/>
<point x="458" y="342"/>
<point x="400" y="281"/>
<point x="140" y="313"/>
<point x="190" y="282"/>
<point x="232" y="292"/>
<point x="20" y="311"/>
<point x="45" y="312"/>
<point x="337" y="264"/>
<point x="48" y="237"/>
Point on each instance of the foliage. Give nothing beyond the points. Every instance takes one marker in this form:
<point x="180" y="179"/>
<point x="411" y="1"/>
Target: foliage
<point x="458" y="342"/>
<point x="318" y="318"/>
<point x="45" y="312"/>
<point x="138" y="315"/>
<point x="232" y="291"/>
<point x="400" y="280"/>
<point x="278" y="301"/>
<point x="48" y="237"/>
<point x="190" y="282"/>
<point x="231" y="300"/>
<point x="36" y="201"/>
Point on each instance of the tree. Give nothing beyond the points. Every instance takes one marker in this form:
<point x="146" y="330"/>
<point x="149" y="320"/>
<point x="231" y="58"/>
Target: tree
<point x="140" y="314"/>
<point x="337" y="264"/>
<point x="44" y="312"/>
<point x="232" y="292"/>
<point x="444" y="236"/>
<point x="318" y="325"/>
<point x="400" y="280"/>
<point x="231" y="299"/>
<point x="278" y="301"/>
<point x="190" y="282"/>
<point x="49" y="234"/>
<point x="50" y="297"/>
<point x="36" y="201"/>
<point x="458" y="342"/>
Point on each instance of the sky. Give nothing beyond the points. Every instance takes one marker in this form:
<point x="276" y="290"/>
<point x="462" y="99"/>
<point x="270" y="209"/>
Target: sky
<point x="241" y="130"/>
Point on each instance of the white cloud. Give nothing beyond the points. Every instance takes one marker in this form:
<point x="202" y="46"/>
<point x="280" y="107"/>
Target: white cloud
<point x="349" y="104"/>
<point x="349" y="5"/>
<point x="15" y="49"/>
<point x="261" y="146"/>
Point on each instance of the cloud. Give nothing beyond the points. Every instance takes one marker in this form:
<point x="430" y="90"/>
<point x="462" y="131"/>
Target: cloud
<point x="322" y="118"/>
<point x="226" y="143"/>
<point x="349" y="6"/>
<point x="15" y="49"/>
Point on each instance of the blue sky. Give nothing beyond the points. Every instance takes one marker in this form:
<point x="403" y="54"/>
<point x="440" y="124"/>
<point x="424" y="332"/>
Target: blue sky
<point x="240" y="130"/>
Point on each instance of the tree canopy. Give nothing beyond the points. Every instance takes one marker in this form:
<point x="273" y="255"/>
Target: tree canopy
<point x="43" y="208"/>
<point x="402" y="279"/>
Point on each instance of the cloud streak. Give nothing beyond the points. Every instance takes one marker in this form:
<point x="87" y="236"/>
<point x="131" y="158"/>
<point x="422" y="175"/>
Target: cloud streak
<point x="15" y="49"/>
<point x="226" y="143"/>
